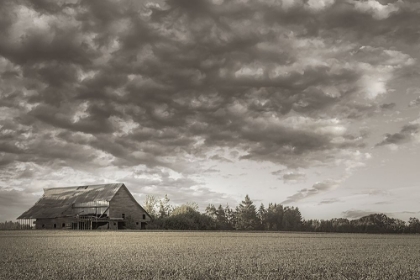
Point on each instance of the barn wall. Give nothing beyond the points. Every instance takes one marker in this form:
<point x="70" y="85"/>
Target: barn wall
<point x="72" y="223"/>
<point x="113" y="225"/>
<point x="124" y="203"/>
<point x="49" y="223"/>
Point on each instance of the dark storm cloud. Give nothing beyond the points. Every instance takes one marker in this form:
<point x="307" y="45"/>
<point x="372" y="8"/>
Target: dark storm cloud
<point x="356" y="214"/>
<point x="45" y="40"/>
<point x="405" y="135"/>
<point x="317" y="188"/>
<point x="329" y="201"/>
<point x="388" y="106"/>
<point x="220" y="158"/>
<point x="278" y="172"/>
<point x="211" y="170"/>
<point x="411" y="212"/>
<point x="97" y="121"/>
<point x="122" y="83"/>
<point x="414" y="102"/>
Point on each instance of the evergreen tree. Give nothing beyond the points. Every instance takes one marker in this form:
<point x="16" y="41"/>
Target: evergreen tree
<point x="274" y="218"/>
<point x="262" y="217"/>
<point x="221" y="218"/>
<point x="292" y="218"/>
<point x="230" y="217"/>
<point x="246" y="215"/>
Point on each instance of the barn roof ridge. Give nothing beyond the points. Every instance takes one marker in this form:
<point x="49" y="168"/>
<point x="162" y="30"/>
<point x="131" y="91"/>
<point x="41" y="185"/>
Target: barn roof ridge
<point x="78" y="186"/>
<point x="58" y="202"/>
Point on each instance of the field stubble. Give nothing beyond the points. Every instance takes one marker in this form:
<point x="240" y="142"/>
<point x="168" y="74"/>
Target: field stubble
<point x="206" y="255"/>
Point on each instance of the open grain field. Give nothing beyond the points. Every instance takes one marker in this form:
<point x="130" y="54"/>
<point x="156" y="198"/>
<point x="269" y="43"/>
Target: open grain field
<point x="206" y="255"/>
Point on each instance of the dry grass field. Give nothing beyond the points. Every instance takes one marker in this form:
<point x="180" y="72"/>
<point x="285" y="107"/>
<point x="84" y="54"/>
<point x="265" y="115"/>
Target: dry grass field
<point x="206" y="255"/>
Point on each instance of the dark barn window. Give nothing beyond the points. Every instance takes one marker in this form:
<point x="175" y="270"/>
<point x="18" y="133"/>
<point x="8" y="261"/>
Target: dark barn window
<point x="123" y="216"/>
<point x="63" y="225"/>
<point x="137" y="223"/>
<point x="144" y="216"/>
<point x="55" y="225"/>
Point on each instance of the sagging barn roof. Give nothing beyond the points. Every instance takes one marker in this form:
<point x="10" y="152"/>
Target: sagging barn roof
<point x="58" y="202"/>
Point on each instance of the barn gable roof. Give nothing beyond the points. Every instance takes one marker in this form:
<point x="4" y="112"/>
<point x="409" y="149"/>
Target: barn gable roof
<point x="56" y="202"/>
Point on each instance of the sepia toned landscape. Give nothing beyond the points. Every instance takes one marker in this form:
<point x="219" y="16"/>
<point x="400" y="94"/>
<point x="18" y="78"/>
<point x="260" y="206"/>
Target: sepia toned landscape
<point x="210" y="139"/>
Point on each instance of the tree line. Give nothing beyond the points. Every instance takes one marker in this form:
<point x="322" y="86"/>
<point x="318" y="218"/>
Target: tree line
<point x="246" y="216"/>
<point x="10" y="225"/>
<point x="274" y="217"/>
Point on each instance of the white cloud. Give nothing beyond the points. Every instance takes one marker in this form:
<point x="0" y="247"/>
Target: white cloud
<point x="29" y="21"/>
<point x="376" y="9"/>
<point x="318" y="5"/>
<point x="292" y="177"/>
<point x="249" y="72"/>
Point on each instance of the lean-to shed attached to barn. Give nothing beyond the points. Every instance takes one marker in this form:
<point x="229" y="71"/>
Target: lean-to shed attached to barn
<point x="108" y="206"/>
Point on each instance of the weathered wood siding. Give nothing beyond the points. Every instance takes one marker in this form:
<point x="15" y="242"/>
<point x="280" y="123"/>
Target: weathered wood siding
<point x="74" y="223"/>
<point x="49" y="223"/>
<point x="113" y="225"/>
<point x="124" y="203"/>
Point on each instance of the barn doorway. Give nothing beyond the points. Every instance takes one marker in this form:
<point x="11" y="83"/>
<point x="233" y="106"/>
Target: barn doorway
<point x="100" y="225"/>
<point x="121" y="225"/>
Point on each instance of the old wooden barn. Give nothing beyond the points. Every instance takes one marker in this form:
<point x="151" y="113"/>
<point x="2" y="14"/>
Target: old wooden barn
<point x="108" y="206"/>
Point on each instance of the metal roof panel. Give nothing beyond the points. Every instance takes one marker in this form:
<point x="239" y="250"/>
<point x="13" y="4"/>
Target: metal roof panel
<point x="56" y="201"/>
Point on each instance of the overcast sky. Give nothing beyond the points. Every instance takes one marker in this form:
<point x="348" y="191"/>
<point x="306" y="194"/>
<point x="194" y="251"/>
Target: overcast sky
<point x="308" y="103"/>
